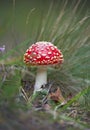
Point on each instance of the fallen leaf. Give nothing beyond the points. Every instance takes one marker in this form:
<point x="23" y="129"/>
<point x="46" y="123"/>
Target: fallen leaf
<point x="57" y="96"/>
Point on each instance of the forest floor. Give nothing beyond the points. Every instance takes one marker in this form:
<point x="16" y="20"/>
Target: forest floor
<point x="47" y="110"/>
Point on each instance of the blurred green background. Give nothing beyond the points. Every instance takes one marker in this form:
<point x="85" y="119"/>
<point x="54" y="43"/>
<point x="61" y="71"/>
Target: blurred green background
<point x="23" y="19"/>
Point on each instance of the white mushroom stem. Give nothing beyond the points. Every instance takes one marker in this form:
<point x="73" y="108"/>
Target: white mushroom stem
<point x="41" y="78"/>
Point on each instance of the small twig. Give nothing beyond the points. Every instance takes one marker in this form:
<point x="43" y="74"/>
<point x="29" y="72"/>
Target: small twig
<point x="5" y="75"/>
<point x="24" y="94"/>
<point x="73" y="113"/>
<point x="37" y="109"/>
<point x="57" y="107"/>
<point x="45" y="98"/>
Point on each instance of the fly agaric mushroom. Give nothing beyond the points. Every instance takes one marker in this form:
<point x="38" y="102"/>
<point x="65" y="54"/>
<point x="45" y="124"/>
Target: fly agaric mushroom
<point x="42" y="54"/>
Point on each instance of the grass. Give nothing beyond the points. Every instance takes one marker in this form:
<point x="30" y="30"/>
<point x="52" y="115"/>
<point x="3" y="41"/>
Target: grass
<point x="66" y="25"/>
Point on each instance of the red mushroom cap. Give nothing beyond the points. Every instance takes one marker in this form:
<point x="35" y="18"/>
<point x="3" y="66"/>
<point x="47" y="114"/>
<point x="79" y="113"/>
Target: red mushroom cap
<point x="43" y="53"/>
